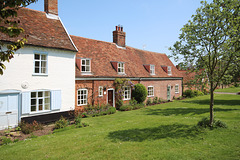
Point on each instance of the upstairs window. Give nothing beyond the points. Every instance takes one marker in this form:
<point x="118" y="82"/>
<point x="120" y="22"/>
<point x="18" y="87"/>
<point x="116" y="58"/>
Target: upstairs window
<point x="176" y="88"/>
<point x="121" y="67"/>
<point x="40" y="101"/>
<point x="85" y="65"/>
<point x="40" y="63"/>
<point x="152" y="69"/>
<point x="82" y="97"/>
<point x="100" y="91"/>
<point x="169" y="70"/>
<point x="127" y="93"/>
<point x="150" y="91"/>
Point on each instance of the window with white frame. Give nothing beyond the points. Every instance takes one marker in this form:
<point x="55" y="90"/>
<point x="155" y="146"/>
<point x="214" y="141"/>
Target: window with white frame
<point x="40" y="101"/>
<point x="169" y="70"/>
<point x="40" y="63"/>
<point x="152" y="69"/>
<point x="100" y="91"/>
<point x="150" y="91"/>
<point x="176" y="88"/>
<point x="121" y="67"/>
<point x="86" y="65"/>
<point x="127" y="93"/>
<point x="82" y="97"/>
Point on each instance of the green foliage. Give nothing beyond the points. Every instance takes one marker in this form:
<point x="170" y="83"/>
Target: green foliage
<point x="111" y="110"/>
<point x="6" y="140"/>
<point x="18" y="128"/>
<point x="138" y="106"/>
<point x="155" y="100"/>
<point x="84" y="124"/>
<point x="210" y="42"/>
<point x="216" y="124"/>
<point x="149" y="101"/>
<point x="78" y="120"/>
<point x="9" y="26"/>
<point x="119" y="103"/>
<point x="61" y="123"/>
<point x="126" y="108"/>
<point x="133" y="102"/>
<point x="28" y="128"/>
<point x="33" y="136"/>
<point x="139" y="93"/>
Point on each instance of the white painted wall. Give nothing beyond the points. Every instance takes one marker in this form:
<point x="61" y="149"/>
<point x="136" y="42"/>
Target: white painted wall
<point x="61" y="73"/>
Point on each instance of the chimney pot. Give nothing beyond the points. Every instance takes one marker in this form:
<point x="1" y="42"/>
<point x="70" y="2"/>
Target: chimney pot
<point x="119" y="36"/>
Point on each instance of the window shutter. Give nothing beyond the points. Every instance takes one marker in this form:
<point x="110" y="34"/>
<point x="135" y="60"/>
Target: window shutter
<point x="165" y="68"/>
<point x="56" y="100"/>
<point x="26" y="102"/>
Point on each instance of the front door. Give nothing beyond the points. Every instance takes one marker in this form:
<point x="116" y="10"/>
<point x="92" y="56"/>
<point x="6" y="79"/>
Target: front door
<point x="8" y="110"/>
<point x="168" y="93"/>
<point x="110" y="97"/>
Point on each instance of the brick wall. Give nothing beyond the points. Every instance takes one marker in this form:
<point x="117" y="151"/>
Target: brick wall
<point x="160" y="90"/>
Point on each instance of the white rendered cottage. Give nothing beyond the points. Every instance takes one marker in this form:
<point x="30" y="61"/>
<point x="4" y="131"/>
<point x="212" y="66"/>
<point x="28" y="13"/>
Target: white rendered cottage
<point x="39" y="82"/>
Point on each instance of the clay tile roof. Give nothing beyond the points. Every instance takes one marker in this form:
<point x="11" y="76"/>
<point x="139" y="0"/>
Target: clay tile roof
<point x="103" y="53"/>
<point x="41" y="31"/>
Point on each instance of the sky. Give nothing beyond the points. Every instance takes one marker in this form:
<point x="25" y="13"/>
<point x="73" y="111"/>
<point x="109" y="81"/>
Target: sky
<point x="152" y="25"/>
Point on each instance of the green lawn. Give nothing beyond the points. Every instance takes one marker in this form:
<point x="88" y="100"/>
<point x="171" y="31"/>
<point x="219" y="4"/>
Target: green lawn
<point x="163" y="131"/>
<point x="229" y="90"/>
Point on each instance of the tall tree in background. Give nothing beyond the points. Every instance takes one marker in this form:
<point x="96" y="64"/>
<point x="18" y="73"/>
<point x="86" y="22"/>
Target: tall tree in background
<point x="212" y="38"/>
<point x="9" y="26"/>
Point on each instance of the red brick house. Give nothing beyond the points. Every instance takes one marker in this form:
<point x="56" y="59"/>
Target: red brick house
<point x="99" y="63"/>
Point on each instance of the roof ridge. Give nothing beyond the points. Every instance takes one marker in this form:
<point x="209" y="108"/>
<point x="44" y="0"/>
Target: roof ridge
<point x="32" y="9"/>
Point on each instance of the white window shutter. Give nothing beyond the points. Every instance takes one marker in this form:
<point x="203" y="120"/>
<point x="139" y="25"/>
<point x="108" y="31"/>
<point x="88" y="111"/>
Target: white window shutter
<point x="56" y="100"/>
<point x="26" y="102"/>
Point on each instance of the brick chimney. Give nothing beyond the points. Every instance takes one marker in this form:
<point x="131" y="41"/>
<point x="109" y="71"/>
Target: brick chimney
<point x="119" y="36"/>
<point x="51" y="6"/>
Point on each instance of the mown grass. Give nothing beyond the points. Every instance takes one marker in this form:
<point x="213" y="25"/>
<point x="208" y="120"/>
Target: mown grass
<point x="165" y="131"/>
<point x="229" y="90"/>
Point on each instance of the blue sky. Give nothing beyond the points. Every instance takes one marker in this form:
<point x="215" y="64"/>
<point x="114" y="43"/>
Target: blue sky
<point x="154" y="24"/>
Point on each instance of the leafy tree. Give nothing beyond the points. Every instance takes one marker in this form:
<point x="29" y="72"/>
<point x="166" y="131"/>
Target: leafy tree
<point x="139" y="93"/>
<point x="212" y="39"/>
<point x="9" y="26"/>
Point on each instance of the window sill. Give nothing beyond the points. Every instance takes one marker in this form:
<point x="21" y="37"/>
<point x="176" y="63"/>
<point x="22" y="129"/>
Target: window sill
<point x="176" y="92"/>
<point x="122" y="74"/>
<point x="126" y="99"/>
<point x="100" y="95"/>
<point x="151" y="96"/>
<point x="86" y="73"/>
<point x="39" y="74"/>
<point x="81" y="105"/>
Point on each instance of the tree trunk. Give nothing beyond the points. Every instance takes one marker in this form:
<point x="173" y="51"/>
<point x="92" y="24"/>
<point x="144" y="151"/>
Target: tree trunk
<point x="211" y="105"/>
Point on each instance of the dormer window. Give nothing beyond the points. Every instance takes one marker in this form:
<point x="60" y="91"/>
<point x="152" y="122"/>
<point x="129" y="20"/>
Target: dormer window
<point x="169" y="70"/>
<point x="86" y="65"/>
<point x="152" y="69"/>
<point x="121" y="67"/>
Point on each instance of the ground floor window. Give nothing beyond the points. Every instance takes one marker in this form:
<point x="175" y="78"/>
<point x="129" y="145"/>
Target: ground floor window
<point x="40" y="101"/>
<point x="100" y="91"/>
<point x="176" y="88"/>
<point x="82" y="97"/>
<point x="127" y="93"/>
<point x="150" y="91"/>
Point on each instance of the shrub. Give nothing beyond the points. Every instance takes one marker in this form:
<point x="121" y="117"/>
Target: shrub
<point x="126" y="108"/>
<point x="78" y="120"/>
<point x="138" y="106"/>
<point x="155" y="100"/>
<point x="28" y="128"/>
<point x="133" y="102"/>
<point x="236" y="85"/>
<point x="188" y="93"/>
<point x="149" y="101"/>
<point x="180" y="97"/>
<point x="216" y="124"/>
<point x="119" y="103"/>
<point x="111" y="110"/>
<point x="159" y="100"/>
<point x="139" y="93"/>
<point x="6" y="140"/>
<point x="61" y="123"/>
<point x="197" y="93"/>
<point x="85" y="124"/>
<point x="84" y="115"/>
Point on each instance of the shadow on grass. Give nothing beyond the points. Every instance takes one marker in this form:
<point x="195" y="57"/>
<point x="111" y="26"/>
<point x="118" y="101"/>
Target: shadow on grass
<point x="183" y="111"/>
<point x="154" y="133"/>
<point x="216" y="102"/>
